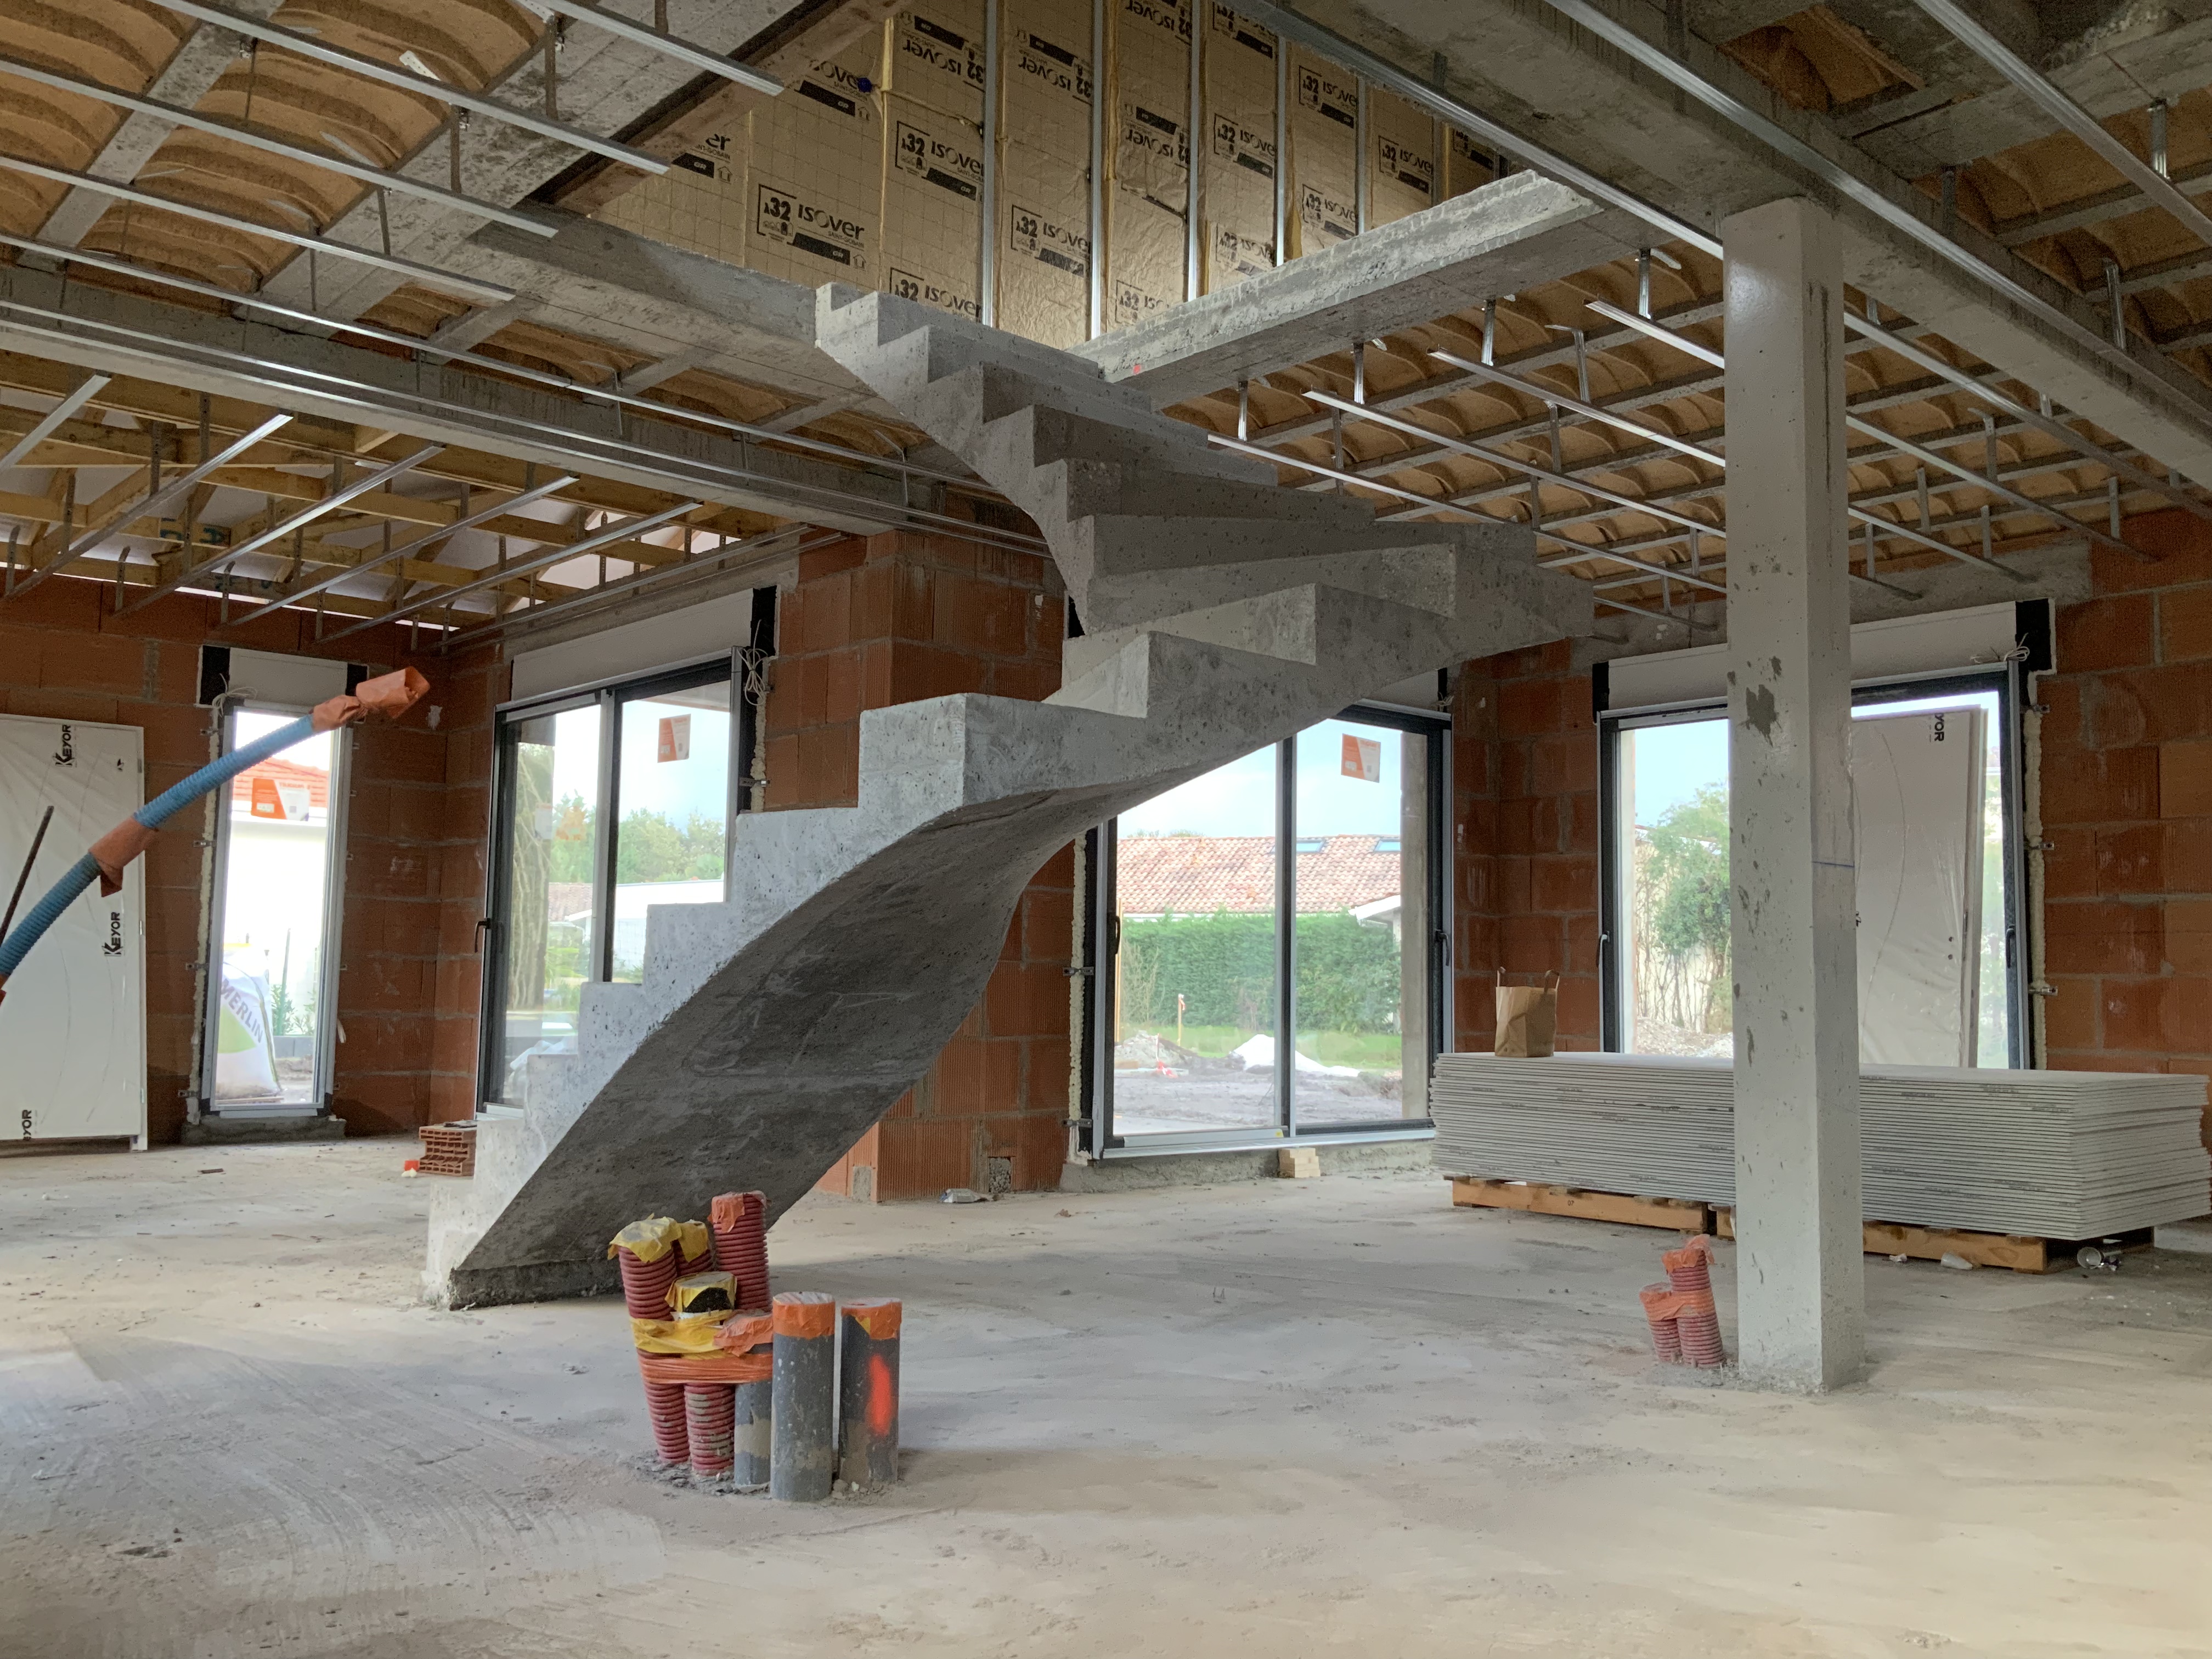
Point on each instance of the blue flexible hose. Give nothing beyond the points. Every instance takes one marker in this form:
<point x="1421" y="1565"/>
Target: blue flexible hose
<point x="153" y="814"/>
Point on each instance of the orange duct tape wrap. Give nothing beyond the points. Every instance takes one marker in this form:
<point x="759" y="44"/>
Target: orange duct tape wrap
<point x="1674" y="1304"/>
<point x="806" y="1313"/>
<point x="705" y="1367"/>
<point x="744" y="1332"/>
<point x="115" y="849"/>
<point x="389" y="695"/>
<point x="1694" y="1251"/>
<point x="880" y="1320"/>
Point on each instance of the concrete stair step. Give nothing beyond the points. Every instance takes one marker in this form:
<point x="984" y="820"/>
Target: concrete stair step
<point x="770" y="1030"/>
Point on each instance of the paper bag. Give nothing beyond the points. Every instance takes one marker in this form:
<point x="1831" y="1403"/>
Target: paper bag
<point x="1527" y="1017"/>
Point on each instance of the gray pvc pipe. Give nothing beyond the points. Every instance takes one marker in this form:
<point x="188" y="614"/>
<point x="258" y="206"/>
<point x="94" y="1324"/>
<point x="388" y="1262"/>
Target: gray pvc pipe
<point x="868" y="1389"/>
<point x="803" y="1434"/>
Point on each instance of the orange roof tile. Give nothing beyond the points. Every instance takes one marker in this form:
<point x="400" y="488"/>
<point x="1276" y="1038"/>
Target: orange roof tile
<point x="1201" y="875"/>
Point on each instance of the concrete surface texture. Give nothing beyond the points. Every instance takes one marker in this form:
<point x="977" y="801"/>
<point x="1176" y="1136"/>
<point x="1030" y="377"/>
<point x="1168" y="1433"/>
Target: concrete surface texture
<point x="1498" y="239"/>
<point x="1285" y="1419"/>
<point x="1794" y="961"/>
<point x="771" y="1031"/>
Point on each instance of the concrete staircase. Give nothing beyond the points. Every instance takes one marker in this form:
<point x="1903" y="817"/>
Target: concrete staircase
<point x="770" y="1031"/>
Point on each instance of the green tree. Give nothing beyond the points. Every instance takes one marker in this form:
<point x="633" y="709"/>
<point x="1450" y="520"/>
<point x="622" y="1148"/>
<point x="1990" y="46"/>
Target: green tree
<point x="652" y="848"/>
<point x="568" y="856"/>
<point x="1689" y="872"/>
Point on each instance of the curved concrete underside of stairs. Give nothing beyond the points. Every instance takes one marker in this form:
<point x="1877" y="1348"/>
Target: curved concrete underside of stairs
<point x="770" y="1031"/>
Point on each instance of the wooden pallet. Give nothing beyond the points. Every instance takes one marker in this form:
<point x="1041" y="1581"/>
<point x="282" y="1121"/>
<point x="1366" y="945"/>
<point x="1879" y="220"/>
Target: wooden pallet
<point x="1678" y="1214"/>
<point x="2006" y="1250"/>
<point x="2012" y="1251"/>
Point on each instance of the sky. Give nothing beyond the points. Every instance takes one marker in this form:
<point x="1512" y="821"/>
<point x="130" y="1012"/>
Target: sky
<point x="677" y="789"/>
<point x="1239" y="799"/>
<point x="1672" y="762"/>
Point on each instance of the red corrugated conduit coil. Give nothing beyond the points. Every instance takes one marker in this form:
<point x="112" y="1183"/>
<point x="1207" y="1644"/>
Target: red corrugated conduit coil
<point x="738" y="1222"/>
<point x="1684" y="1302"/>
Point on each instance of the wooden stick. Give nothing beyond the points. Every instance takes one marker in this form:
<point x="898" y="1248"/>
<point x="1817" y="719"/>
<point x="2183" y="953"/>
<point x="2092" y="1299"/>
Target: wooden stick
<point x="29" y="858"/>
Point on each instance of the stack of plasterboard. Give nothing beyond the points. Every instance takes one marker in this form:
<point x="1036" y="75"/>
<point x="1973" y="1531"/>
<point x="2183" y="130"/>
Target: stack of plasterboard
<point x="2046" y="1154"/>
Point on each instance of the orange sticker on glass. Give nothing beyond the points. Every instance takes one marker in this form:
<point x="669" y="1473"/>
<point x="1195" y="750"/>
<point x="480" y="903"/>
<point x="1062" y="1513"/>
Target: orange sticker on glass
<point x="1362" y="759"/>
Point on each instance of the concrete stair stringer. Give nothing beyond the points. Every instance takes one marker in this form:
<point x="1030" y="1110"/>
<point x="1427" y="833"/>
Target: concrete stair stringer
<point x="769" y="1031"/>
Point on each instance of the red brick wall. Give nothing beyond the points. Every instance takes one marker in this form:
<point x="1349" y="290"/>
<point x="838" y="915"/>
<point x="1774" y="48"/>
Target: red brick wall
<point x="2125" y="794"/>
<point x="1525" y="838"/>
<point x="896" y="618"/>
<point x="2126" y="797"/>
<point x="62" y="657"/>
<point x="416" y="828"/>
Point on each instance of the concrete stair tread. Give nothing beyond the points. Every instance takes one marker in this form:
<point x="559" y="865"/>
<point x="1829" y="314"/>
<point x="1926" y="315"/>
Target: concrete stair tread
<point x="768" y="1031"/>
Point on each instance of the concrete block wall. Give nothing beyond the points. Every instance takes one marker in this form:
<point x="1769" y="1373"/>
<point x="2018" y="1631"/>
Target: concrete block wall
<point x="895" y="618"/>
<point x="1525" y="838"/>
<point x="63" y="656"/>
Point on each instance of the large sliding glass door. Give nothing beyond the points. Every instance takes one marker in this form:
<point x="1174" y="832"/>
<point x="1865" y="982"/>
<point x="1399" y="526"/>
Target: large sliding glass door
<point x="1264" y="943"/>
<point x="608" y="802"/>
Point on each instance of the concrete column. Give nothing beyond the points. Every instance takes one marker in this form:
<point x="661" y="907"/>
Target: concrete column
<point x="1800" y="1293"/>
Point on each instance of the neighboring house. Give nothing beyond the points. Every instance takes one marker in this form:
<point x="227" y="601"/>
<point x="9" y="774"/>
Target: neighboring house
<point x="1206" y="875"/>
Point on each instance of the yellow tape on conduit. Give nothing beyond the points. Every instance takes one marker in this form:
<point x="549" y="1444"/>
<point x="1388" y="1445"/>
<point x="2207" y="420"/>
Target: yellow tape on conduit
<point x="650" y="1239"/>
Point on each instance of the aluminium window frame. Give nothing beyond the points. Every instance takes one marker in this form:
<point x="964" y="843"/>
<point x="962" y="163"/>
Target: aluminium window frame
<point x="1094" y="1117"/>
<point x="2008" y="679"/>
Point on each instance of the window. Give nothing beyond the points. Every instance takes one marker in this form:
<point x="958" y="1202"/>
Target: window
<point x="268" y="1038"/>
<point x="1940" y="976"/>
<point x="609" y="803"/>
<point x="1267" y="956"/>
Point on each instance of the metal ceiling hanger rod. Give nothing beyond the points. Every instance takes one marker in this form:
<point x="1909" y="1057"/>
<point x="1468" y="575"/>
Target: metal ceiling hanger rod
<point x="1861" y="193"/>
<point x="285" y="526"/>
<point x="177" y="115"/>
<point x="473" y="288"/>
<point x="627" y="530"/>
<point x="661" y="40"/>
<point x="50" y="423"/>
<point x="2146" y="177"/>
<point x="306" y="46"/>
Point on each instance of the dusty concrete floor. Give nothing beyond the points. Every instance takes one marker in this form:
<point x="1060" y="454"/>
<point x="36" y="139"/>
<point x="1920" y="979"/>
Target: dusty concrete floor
<point x="1288" y="1419"/>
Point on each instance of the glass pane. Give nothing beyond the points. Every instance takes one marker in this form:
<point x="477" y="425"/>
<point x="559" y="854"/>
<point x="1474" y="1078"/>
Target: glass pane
<point x="1675" y="854"/>
<point x="552" y="840"/>
<point x="1195" y="979"/>
<point x="674" y="792"/>
<point x="1675" y="850"/>
<point x="275" y="884"/>
<point x="1993" y="995"/>
<point x="1361" y="806"/>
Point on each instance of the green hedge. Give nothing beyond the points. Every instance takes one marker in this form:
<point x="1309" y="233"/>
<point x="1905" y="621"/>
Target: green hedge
<point x="1225" y="967"/>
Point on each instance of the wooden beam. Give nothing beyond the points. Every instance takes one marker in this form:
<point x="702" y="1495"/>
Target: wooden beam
<point x="1538" y="1199"/>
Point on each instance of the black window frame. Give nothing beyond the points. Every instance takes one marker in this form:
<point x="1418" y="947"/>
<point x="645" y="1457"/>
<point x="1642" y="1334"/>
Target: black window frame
<point x="2008" y="679"/>
<point x="608" y="696"/>
<point x="1100" y="939"/>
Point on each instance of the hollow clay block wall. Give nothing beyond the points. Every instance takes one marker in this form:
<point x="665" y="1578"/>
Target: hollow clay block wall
<point x="407" y="998"/>
<point x="2126" y="804"/>
<point x="1525" y="838"/>
<point x="895" y="618"/>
